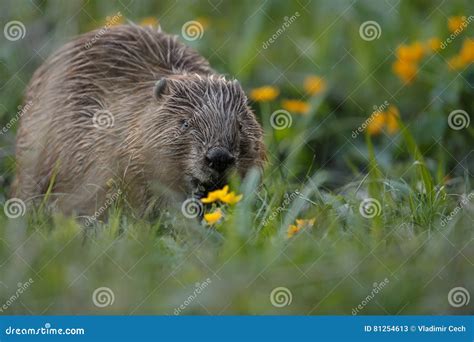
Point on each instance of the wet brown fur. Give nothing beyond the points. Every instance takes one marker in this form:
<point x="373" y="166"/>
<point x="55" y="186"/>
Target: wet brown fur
<point x="147" y="151"/>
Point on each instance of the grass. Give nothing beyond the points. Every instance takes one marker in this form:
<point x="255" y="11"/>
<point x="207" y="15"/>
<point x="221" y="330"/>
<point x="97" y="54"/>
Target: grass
<point x="419" y="243"/>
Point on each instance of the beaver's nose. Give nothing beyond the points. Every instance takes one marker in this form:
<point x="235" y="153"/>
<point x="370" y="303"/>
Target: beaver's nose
<point x="219" y="158"/>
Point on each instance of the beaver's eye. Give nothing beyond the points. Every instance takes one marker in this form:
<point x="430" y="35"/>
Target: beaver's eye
<point x="240" y="126"/>
<point x="184" y="124"/>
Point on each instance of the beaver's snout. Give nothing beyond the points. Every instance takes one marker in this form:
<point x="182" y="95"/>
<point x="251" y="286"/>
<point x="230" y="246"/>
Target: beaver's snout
<point x="219" y="159"/>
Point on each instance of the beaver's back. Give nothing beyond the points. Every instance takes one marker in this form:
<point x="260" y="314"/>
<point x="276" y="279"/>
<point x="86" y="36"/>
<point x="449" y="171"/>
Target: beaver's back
<point x="110" y="70"/>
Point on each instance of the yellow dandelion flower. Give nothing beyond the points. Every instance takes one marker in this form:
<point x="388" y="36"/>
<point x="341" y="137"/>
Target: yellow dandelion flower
<point x="215" y="195"/>
<point x="265" y="93"/>
<point x="296" y="106"/>
<point x="213" y="217"/>
<point x="433" y="44"/>
<point x="456" y="23"/>
<point x="391" y="119"/>
<point x="222" y="195"/>
<point x="467" y="51"/>
<point x="149" y="21"/>
<point x="292" y="231"/>
<point x="410" y="53"/>
<point x="314" y="85"/>
<point x="406" y="71"/>
<point x="376" y="125"/>
<point x="231" y="198"/>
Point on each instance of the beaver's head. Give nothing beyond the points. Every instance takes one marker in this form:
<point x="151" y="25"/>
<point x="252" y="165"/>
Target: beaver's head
<point x="210" y="131"/>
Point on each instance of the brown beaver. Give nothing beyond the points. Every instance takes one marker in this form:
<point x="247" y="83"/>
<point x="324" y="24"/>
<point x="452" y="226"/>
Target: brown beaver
<point x="134" y="105"/>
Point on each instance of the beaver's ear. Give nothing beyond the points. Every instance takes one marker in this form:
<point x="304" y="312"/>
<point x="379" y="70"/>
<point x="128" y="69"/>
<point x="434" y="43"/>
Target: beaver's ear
<point x="161" y="87"/>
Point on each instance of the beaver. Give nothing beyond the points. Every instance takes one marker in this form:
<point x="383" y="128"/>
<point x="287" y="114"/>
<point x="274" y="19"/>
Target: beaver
<point x="136" y="106"/>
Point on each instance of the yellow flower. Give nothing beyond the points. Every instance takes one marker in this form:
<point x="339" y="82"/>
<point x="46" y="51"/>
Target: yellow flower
<point x="212" y="218"/>
<point x="265" y="93"/>
<point x="149" y="21"/>
<point x="456" y="23"/>
<point x="222" y="195"/>
<point x="410" y="53"/>
<point x="433" y="44"/>
<point x="215" y="195"/>
<point x="375" y="126"/>
<point x="296" y="106"/>
<point x="231" y="198"/>
<point x="456" y="63"/>
<point x="467" y="51"/>
<point x="391" y="119"/>
<point x="293" y="229"/>
<point x="405" y="70"/>
<point x="314" y="85"/>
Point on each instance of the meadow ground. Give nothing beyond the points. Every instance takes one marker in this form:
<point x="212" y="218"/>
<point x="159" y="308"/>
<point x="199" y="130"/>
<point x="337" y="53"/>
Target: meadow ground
<point x="365" y="207"/>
